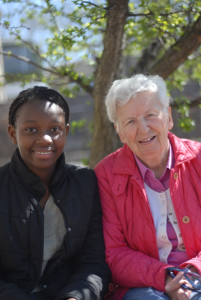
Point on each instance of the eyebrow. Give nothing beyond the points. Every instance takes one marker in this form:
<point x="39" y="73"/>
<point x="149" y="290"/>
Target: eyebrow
<point x="34" y="121"/>
<point x="146" y="112"/>
<point x="128" y="118"/>
<point x="30" y="121"/>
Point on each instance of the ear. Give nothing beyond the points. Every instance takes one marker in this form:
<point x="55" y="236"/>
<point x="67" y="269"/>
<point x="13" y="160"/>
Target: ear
<point x="12" y="134"/>
<point x="170" y="120"/>
<point x="67" y="129"/>
<point x="122" y="138"/>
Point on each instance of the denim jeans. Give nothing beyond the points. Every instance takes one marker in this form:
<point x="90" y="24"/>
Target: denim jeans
<point x="148" y="293"/>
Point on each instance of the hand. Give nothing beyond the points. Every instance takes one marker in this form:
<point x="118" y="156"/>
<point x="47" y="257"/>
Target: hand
<point x="173" y="287"/>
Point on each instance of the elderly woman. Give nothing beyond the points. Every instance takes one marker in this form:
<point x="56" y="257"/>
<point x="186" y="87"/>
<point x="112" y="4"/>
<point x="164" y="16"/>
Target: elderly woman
<point x="151" y="195"/>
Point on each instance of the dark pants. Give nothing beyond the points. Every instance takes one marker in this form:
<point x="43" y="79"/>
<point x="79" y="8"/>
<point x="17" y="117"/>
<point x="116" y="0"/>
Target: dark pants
<point x="40" y="296"/>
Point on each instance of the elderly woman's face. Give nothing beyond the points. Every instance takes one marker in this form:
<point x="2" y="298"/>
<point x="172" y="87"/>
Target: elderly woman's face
<point x="143" y="125"/>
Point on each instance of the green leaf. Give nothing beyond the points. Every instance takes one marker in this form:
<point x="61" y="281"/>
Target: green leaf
<point x="77" y="125"/>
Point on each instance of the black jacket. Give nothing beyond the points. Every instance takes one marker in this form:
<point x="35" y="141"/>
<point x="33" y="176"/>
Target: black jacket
<point x="78" y="269"/>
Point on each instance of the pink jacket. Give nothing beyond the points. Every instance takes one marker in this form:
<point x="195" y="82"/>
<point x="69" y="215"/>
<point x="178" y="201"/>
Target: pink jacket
<point x="131" y="249"/>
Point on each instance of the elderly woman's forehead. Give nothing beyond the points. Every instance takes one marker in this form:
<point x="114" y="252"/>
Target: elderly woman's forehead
<point x="141" y="102"/>
<point x="145" y="95"/>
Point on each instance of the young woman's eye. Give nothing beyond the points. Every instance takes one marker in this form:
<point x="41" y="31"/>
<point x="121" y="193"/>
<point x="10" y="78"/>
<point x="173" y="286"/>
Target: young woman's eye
<point x="56" y="129"/>
<point x="30" y="129"/>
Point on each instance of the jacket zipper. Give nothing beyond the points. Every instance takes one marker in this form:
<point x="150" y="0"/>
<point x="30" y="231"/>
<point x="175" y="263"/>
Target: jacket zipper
<point x="41" y="248"/>
<point x="178" y="219"/>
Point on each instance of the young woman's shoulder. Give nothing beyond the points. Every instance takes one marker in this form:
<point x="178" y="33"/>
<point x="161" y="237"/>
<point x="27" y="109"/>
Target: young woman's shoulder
<point x="81" y="172"/>
<point x="4" y="172"/>
<point x="82" y="179"/>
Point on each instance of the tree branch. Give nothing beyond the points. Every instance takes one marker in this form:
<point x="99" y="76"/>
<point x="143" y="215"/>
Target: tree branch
<point x="6" y="26"/>
<point x="90" y="3"/>
<point x="130" y="14"/>
<point x="52" y="15"/>
<point x="179" y="52"/>
<point x="85" y="87"/>
<point x="149" y="55"/>
<point x="69" y="78"/>
<point x="27" y="60"/>
<point x="35" y="50"/>
<point x="193" y="103"/>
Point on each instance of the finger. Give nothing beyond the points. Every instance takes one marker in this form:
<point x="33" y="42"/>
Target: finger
<point x="178" y="294"/>
<point x="179" y="278"/>
<point x="176" y="283"/>
<point x="187" y="294"/>
<point x="182" y="294"/>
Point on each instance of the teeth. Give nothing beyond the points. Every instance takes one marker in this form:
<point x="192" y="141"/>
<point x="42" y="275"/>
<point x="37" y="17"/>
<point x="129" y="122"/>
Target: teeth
<point x="147" y="140"/>
<point x="43" y="153"/>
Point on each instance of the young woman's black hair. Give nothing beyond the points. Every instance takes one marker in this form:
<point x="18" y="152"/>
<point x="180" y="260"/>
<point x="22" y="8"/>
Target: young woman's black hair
<point x="37" y="93"/>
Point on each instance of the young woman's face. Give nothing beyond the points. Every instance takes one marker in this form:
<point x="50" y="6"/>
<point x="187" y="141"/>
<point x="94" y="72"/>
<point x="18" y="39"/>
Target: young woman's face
<point x="40" y="133"/>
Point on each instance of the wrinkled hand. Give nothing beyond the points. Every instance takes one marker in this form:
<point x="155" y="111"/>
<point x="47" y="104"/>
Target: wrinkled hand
<point x="173" y="287"/>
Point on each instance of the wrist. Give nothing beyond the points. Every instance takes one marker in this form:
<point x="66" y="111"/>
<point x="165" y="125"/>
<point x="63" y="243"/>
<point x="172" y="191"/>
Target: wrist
<point x="168" y="278"/>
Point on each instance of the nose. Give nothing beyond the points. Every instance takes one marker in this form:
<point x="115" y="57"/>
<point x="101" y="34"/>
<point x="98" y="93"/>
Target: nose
<point x="143" y="127"/>
<point x="45" y="139"/>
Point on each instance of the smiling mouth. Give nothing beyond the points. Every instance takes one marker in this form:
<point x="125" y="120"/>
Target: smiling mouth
<point x="43" y="153"/>
<point x="147" y="140"/>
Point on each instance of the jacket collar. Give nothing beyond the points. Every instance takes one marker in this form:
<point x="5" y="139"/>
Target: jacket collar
<point x="125" y="161"/>
<point x="21" y="174"/>
<point x="182" y="152"/>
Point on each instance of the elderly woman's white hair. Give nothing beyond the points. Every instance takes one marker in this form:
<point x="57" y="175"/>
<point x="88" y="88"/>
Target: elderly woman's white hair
<point x="123" y="90"/>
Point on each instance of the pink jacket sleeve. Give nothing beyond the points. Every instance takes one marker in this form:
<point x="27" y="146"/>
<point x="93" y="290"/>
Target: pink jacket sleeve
<point x="129" y="268"/>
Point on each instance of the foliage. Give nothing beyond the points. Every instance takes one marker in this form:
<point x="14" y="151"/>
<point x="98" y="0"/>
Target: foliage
<point x="77" y="34"/>
<point x="74" y="31"/>
<point x="79" y="31"/>
<point x="85" y="161"/>
<point x="186" y="123"/>
<point x="77" y="125"/>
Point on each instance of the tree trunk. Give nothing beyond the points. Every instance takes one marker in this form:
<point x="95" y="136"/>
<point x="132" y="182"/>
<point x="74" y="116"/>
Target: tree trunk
<point x="179" y="52"/>
<point x="104" y="141"/>
<point x="148" y="57"/>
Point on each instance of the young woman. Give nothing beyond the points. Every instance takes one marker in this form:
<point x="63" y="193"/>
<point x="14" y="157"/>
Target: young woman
<point x="51" y="242"/>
